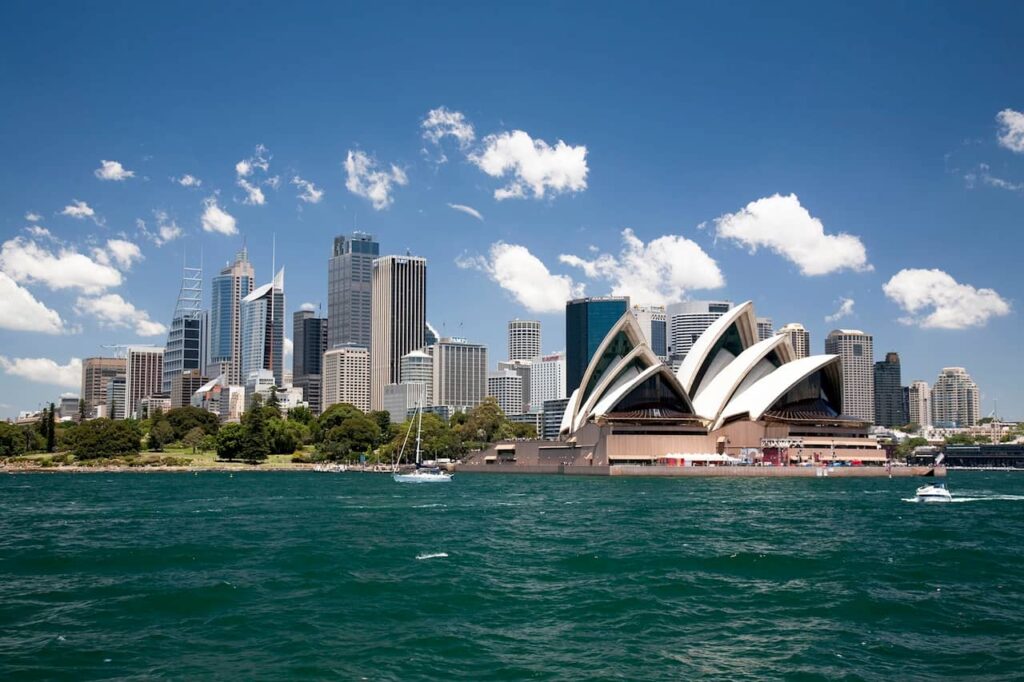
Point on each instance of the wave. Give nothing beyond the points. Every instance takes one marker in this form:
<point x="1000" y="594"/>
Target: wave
<point x="987" y="498"/>
<point x="435" y="555"/>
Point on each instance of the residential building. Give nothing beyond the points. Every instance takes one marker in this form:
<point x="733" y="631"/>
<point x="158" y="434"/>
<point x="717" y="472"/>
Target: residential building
<point x="402" y="399"/>
<point x="587" y="320"/>
<point x="919" y="400"/>
<point x="460" y="373"/>
<point x="184" y="386"/>
<point x="547" y="380"/>
<point x="349" y="289"/>
<point x="187" y="340"/>
<point x="116" y="402"/>
<point x="417" y="367"/>
<point x="889" y="401"/>
<point x="553" y="412"/>
<point x="398" y="318"/>
<point x="856" y="350"/>
<point x="346" y="377"/>
<point x="144" y="376"/>
<point x="506" y="386"/>
<point x="956" y="400"/>
<point x="799" y="338"/>
<point x="309" y="343"/>
<point x="653" y="322"/>
<point x="263" y="314"/>
<point x="524" y="370"/>
<point x="765" y="328"/>
<point x="687" y="320"/>
<point x="96" y="374"/>
<point x="523" y="339"/>
<point x="227" y="290"/>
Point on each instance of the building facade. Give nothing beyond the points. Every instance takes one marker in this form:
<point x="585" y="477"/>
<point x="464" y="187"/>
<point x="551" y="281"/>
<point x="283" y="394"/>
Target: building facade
<point x="890" y="406"/>
<point x="506" y="386"/>
<point x="460" y="373"/>
<point x="187" y="341"/>
<point x="346" y="377"/>
<point x="799" y="338"/>
<point x="117" y="405"/>
<point x="184" y="386"/>
<point x="765" y="328"/>
<point x="547" y="380"/>
<point x="263" y="330"/>
<point x="417" y="367"/>
<point x="309" y="343"/>
<point x="227" y="290"/>
<point x="350" y="289"/>
<point x="96" y="374"/>
<point x="856" y="350"/>
<point x="687" y="321"/>
<point x="399" y="319"/>
<point x="956" y="401"/>
<point x="401" y="400"/>
<point x="523" y="339"/>
<point x="587" y="320"/>
<point x="653" y="322"/>
<point x="524" y="370"/>
<point x="144" y="376"/>
<point x="919" y="400"/>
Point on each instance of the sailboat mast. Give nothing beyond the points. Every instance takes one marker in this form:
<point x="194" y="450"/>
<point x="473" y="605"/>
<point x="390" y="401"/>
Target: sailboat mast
<point x="419" y="428"/>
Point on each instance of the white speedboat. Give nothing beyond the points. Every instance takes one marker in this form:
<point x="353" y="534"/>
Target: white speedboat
<point x="934" y="493"/>
<point x="420" y="474"/>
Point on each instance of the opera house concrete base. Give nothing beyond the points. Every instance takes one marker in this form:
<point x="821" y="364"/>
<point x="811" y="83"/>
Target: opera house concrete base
<point x="705" y="471"/>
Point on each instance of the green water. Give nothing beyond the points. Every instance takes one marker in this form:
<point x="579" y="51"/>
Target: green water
<point x="319" y="576"/>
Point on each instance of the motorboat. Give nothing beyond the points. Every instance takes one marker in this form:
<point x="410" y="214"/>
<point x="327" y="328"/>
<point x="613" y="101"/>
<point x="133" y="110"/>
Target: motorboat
<point x="421" y="474"/>
<point x="935" y="492"/>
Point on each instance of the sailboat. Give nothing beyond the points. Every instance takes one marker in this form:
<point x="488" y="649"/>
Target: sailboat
<point x="420" y="474"/>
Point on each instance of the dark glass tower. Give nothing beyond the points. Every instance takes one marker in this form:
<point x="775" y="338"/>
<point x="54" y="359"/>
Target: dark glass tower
<point x="890" y="406"/>
<point x="587" y="322"/>
<point x="309" y="339"/>
<point x="349" y="277"/>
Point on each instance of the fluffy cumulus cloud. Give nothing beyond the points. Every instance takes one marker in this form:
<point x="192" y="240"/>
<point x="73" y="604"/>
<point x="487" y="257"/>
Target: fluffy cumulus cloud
<point x="365" y="178"/>
<point x="536" y="168"/>
<point x="781" y="224"/>
<point x="1011" y="130"/>
<point x="308" y="192"/>
<point x="443" y="122"/>
<point x="468" y="210"/>
<point x="933" y="299"/>
<point x="249" y="172"/>
<point x="110" y="310"/>
<point x="33" y="217"/>
<point x="253" y="194"/>
<point x="44" y="370"/>
<point x="164" y="230"/>
<point x="658" y="272"/>
<point x="216" y="219"/>
<point x="39" y="231"/>
<point x="289" y="347"/>
<point x="112" y="170"/>
<point x="525" y="276"/>
<point x="26" y="261"/>
<point x="188" y="180"/>
<point x="260" y="160"/>
<point x="79" y="209"/>
<point x="845" y="309"/>
<point x="118" y="252"/>
<point x="307" y="306"/>
<point x="20" y="311"/>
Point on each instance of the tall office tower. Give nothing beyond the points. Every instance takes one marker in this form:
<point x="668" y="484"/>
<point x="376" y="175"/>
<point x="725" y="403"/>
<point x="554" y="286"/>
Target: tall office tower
<point x="417" y="367"/>
<point x="309" y="342"/>
<point x="402" y="399"/>
<point x="552" y="417"/>
<point x="430" y="335"/>
<point x="889" y="404"/>
<point x="587" y="322"/>
<point x="349" y="289"/>
<point x="460" y="373"/>
<point x="507" y="387"/>
<point x="184" y="385"/>
<point x="919" y="400"/>
<point x="687" y="321"/>
<point x="856" y="349"/>
<point x="346" y="377"/>
<point x="115" y="394"/>
<point x="956" y="401"/>
<point x="653" y="322"/>
<point x="263" y="330"/>
<point x="399" y="316"/>
<point x="144" y="376"/>
<point x="547" y="380"/>
<point x="96" y="373"/>
<point x="765" y="328"/>
<point x="523" y="339"/>
<point x="187" y="341"/>
<point x="524" y="370"/>
<point x="799" y="338"/>
<point x="234" y="283"/>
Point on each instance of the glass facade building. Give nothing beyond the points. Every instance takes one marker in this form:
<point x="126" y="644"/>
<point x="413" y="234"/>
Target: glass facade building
<point x="263" y="330"/>
<point x="587" y="321"/>
<point x="309" y="342"/>
<point x="890" y="401"/>
<point x="227" y="290"/>
<point x="349" y="289"/>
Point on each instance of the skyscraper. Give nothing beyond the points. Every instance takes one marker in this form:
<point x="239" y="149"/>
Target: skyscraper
<point x="523" y="339"/>
<point x="919" y="400"/>
<point x="687" y="321"/>
<point x="234" y="283"/>
<point x="889" y="405"/>
<point x="349" y="289"/>
<point x="115" y="393"/>
<point x="587" y="321"/>
<point x="309" y="342"/>
<point x="507" y="388"/>
<point x="144" y="376"/>
<point x="547" y="380"/>
<point x="653" y="322"/>
<point x="856" y="350"/>
<point x="346" y="377"/>
<point x="417" y="367"/>
<point x="765" y="328"/>
<point x="187" y="341"/>
<point x="263" y="330"/>
<point x="460" y="373"/>
<point x="799" y="338"/>
<point x="399" y="318"/>
<point x="956" y="401"/>
<point x="96" y="374"/>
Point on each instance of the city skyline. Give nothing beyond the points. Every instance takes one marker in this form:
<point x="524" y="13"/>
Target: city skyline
<point x="912" y="266"/>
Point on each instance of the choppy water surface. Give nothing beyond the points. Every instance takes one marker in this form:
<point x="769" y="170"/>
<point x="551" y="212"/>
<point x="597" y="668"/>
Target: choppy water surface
<point x="314" y="576"/>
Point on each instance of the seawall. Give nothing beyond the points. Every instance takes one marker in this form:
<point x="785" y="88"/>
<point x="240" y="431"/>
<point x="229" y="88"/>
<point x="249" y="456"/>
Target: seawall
<point x="724" y="471"/>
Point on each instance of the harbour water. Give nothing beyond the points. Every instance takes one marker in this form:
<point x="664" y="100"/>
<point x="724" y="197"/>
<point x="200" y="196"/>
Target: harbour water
<point x="347" y="576"/>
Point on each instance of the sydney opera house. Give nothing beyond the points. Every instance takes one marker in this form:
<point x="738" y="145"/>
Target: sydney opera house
<point x="734" y="398"/>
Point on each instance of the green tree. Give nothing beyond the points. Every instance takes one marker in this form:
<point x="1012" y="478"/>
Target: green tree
<point x="302" y="415"/>
<point x="194" y="437"/>
<point x="255" y="439"/>
<point x="208" y="443"/>
<point x="907" y="446"/>
<point x="485" y="421"/>
<point x="285" y="436"/>
<point x="273" y="401"/>
<point x="51" y="430"/>
<point x="335" y="415"/>
<point x="106" y="438"/>
<point x="184" y="419"/>
<point x="960" y="439"/>
<point x="12" y="440"/>
<point x="81" y="409"/>
<point x="383" y="419"/>
<point x="160" y="431"/>
<point x="524" y="431"/>
<point x="230" y="441"/>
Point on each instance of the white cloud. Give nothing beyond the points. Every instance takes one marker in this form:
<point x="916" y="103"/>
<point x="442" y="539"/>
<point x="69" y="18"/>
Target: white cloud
<point x="468" y="210"/>
<point x="216" y="219"/>
<point x="39" y="231"/>
<point x="33" y="217"/>
<point x="659" y="272"/>
<point x="188" y="180"/>
<point x="845" y="310"/>
<point x="123" y="253"/>
<point x="25" y="261"/>
<point x="112" y="170"/>
<point x="535" y="166"/>
<point x="308" y="192"/>
<point x="441" y="123"/>
<point x="79" y="209"/>
<point x="166" y="229"/>
<point x="44" y="370"/>
<point x="254" y="195"/>
<point x="259" y="160"/>
<point x="307" y="306"/>
<point x="1011" y="130"/>
<point x="782" y="225"/>
<point x="289" y="347"/>
<point x="522" y="274"/>
<point x="933" y="299"/>
<point x="366" y="180"/>
<point x="20" y="311"/>
<point x="113" y="311"/>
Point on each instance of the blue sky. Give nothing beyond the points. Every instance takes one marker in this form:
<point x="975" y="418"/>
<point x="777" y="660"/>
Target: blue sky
<point x="739" y="143"/>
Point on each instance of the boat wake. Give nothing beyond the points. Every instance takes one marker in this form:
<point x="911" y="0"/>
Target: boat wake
<point x="436" y="555"/>
<point x="987" y="498"/>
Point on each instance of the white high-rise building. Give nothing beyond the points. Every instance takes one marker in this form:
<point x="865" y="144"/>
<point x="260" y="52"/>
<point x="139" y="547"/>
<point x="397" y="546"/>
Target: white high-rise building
<point x="956" y="401"/>
<point x="687" y="321"/>
<point x="346" y="377"/>
<point x="460" y="373"/>
<point x="547" y="380"/>
<point x="799" y="338"/>
<point x="523" y="368"/>
<point x="144" y="376"/>
<point x="523" y="339"/>
<point x="856" y="349"/>
<point x="653" y="322"/>
<point x="507" y="387"/>
<point x="919" y="404"/>
<point x="398" y="318"/>
<point x="765" y="328"/>
<point x="417" y="367"/>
